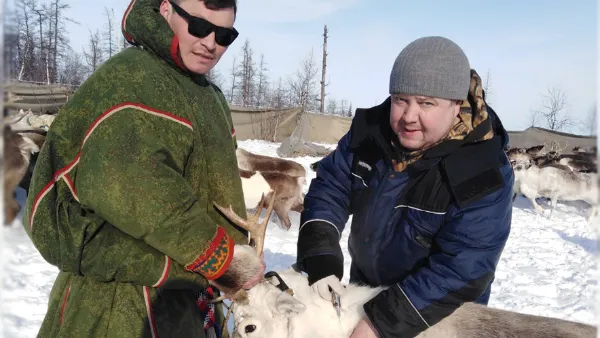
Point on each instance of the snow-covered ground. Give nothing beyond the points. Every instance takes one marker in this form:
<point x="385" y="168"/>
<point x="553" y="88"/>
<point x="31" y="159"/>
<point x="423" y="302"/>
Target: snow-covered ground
<point x="548" y="266"/>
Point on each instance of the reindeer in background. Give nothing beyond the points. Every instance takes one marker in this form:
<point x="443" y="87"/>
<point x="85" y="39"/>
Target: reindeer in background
<point x="555" y="175"/>
<point x="21" y="141"/>
<point x="265" y="176"/>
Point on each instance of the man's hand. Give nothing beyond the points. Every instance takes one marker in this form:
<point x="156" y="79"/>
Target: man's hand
<point x="364" y="329"/>
<point x="324" y="286"/>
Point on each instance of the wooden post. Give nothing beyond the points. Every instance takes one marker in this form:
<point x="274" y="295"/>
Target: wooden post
<point x="323" y="70"/>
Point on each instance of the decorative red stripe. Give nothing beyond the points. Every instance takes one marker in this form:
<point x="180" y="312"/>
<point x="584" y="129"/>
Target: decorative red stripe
<point x="138" y="105"/>
<point x="165" y="274"/>
<point x="37" y="200"/>
<point x="64" y="304"/>
<point x="71" y="185"/>
<point x="124" y="20"/>
<point x="49" y="186"/>
<point x="149" y="310"/>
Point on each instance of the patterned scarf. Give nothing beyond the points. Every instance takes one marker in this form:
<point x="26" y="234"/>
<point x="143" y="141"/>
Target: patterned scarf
<point x="472" y="113"/>
<point x="211" y="328"/>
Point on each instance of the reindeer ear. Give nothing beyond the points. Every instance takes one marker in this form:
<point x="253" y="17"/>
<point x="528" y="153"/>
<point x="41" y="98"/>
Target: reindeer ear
<point x="288" y="306"/>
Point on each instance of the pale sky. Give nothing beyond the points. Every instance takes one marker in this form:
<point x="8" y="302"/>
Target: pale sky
<point x="527" y="45"/>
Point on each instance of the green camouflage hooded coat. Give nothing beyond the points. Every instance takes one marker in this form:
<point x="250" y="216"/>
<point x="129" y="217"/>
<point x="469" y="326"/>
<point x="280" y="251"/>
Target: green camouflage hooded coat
<point x="121" y="199"/>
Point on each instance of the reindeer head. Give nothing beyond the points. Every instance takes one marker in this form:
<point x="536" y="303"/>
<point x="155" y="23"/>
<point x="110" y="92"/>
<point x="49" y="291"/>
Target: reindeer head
<point x="519" y="158"/>
<point x="271" y="304"/>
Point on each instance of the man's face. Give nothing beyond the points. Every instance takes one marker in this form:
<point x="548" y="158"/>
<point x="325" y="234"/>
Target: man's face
<point x="199" y="55"/>
<point x="421" y="121"/>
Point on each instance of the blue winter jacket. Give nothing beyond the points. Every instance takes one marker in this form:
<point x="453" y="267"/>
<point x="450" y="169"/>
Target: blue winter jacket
<point x="434" y="232"/>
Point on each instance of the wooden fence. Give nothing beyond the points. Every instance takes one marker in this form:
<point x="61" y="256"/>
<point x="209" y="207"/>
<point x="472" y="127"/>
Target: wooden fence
<point x="40" y="98"/>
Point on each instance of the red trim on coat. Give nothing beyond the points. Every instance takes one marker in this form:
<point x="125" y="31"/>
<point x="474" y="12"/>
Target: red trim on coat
<point x="165" y="275"/>
<point x="151" y="320"/>
<point x="128" y="36"/>
<point x="64" y="304"/>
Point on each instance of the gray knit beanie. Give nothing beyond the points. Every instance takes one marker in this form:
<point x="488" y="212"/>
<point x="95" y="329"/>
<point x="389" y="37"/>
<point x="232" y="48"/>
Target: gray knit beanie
<point x="432" y="66"/>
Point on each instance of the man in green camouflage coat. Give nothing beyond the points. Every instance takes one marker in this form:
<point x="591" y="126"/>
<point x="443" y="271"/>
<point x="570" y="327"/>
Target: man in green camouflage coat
<point x="121" y="199"/>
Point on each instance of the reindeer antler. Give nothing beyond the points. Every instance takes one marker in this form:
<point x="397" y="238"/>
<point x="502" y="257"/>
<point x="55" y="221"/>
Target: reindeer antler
<point x="257" y="230"/>
<point x="257" y="235"/>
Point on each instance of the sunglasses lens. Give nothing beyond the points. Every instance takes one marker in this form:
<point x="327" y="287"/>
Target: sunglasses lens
<point x="200" y="28"/>
<point x="225" y="37"/>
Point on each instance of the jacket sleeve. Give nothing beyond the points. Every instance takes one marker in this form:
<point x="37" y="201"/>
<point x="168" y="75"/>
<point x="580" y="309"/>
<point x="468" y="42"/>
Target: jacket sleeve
<point x="130" y="173"/>
<point x="470" y="245"/>
<point x="113" y="256"/>
<point x="326" y="211"/>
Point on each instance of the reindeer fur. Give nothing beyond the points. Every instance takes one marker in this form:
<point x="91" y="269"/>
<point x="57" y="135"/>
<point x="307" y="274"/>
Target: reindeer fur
<point x="21" y="140"/>
<point x="272" y="313"/>
<point x="254" y="162"/>
<point x="259" y="186"/>
<point x="243" y="267"/>
<point x="17" y="151"/>
<point x="254" y="186"/>
<point x="557" y="182"/>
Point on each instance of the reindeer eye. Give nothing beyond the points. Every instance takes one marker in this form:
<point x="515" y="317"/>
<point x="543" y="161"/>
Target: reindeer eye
<point x="250" y="328"/>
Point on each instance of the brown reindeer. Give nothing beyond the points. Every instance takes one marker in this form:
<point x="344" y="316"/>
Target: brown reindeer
<point x="17" y="152"/>
<point x="20" y="142"/>
<point x="254" y="162"/>
<point x="262" y="175"/>
<point x="259" y="187"/>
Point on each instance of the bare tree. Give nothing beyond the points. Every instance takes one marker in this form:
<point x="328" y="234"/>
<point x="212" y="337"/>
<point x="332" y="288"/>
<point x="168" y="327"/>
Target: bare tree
<point x="487" y="87"/>
<point x="349" y="113"/>
<point x="534" y="118"/>
<point x="590" y="122"/>
<point x="43" y="54"/>
<point x="553" y="111"/>
<point x="10" y="44"/>
<point x="278" y="97"/>
<point x="42" y="39"/>
<point x="74" y="71"/>
<point x="247" y="73"/>
<point x="26" y="45"/>
<point x="215" y="77"/>
<point x="109" y="39"/>
<point x="93" y="57"/>
<point x="343" y="104"/>
<point x="263" y="82"/>
<point x="302" y="84"/>
<point x="233" y="80"/>
<point x="331" y="106"/>
<point x="323" y="70"/>
<point x="60" y="41"/>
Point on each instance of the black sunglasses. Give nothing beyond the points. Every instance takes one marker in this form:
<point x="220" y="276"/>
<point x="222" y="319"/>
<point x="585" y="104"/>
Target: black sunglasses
<point x="201" y="28"/>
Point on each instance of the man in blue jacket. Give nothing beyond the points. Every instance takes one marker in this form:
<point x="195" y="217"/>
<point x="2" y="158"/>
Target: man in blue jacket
<point x="426" y="178"/>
